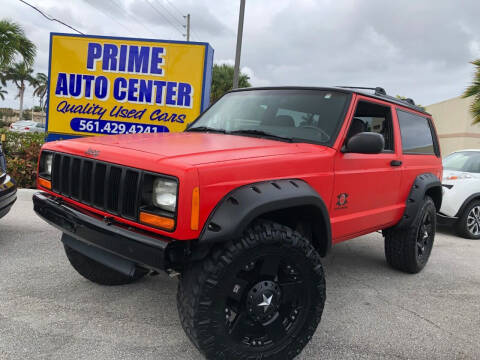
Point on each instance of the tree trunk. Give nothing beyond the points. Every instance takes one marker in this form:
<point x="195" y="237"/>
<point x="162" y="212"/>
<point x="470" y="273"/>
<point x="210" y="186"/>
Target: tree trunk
<point x="21" y="91"/>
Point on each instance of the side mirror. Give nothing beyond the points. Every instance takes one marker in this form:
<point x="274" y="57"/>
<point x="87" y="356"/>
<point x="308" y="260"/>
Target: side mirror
<point x="366" y="143"/>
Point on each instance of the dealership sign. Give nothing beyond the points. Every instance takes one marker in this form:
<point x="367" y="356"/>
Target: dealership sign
<point x="105" y="85"/>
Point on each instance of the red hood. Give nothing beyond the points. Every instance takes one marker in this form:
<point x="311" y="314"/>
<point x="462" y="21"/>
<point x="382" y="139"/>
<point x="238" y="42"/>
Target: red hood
<point x="188" y="148"/>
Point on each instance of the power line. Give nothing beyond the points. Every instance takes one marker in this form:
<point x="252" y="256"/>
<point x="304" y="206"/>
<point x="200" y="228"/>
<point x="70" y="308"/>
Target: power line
<point x="51" y="18"/>
<point x="163" y="16"/>
<point x="173" y="16"/>
<point x="173" y="6"/>
<point x="112" y="18"/>
<point x="128" y="13"/>
<point x="193" y="34"/>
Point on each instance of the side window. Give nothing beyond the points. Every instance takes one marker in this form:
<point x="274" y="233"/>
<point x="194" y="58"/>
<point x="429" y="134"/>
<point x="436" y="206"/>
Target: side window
<point x="416" y="134"/>
<point x="370" y="117"/>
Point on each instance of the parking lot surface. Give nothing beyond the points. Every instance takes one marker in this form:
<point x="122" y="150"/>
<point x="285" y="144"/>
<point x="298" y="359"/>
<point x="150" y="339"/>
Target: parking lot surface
<point x="48" y="311"/>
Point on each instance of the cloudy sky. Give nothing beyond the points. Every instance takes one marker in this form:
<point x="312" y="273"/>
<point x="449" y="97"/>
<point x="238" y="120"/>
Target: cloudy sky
<point x="417" y="48"/>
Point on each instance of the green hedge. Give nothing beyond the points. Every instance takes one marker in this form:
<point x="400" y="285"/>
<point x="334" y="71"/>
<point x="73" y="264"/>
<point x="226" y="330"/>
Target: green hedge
<point x="21" y="151"/>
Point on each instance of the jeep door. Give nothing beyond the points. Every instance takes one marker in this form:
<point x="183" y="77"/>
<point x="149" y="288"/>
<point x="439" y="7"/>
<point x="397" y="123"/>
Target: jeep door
<point x="366" y="193"/>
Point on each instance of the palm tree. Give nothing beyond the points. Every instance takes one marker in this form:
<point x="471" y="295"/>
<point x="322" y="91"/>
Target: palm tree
<point x="13" y="42"/>
<point x="41" y="84"/>
<point x="2" y="93"/>
<point x="474" y="90"/>
<point x="222" y="81"/>
<point x="20" y="74"/>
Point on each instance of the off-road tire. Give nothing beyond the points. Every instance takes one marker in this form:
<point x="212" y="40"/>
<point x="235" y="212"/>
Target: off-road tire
<point x="401" y="247"/>
<point x="201" y="310"/>
<point x="96" y="272"/>
<point x="461" y="225"/>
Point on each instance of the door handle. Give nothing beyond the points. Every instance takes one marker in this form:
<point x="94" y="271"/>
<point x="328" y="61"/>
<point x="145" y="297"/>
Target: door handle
<point x="395" y="163"/>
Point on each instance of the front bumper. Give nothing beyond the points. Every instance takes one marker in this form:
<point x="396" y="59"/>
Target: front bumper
<point x="8" y="194"/>
<point x="144" y="250"/>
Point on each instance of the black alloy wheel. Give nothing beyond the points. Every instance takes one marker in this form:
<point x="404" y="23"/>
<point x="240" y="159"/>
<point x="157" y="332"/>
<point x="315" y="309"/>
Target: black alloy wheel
<point x="259" y="297"/>
<point x="265" y="299"/>
<point x="425" y="237"/>
<point x="408" y="249"/>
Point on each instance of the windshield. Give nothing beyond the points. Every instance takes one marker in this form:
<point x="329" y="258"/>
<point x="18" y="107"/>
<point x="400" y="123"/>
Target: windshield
<point x="286" y="115"/>
<point x="467" y="161"/>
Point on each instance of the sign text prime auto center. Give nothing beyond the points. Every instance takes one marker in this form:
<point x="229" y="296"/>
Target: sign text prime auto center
<point x="100" y="85"/>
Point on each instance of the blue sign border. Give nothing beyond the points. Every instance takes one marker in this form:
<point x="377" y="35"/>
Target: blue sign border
<point x="207" y="72"/>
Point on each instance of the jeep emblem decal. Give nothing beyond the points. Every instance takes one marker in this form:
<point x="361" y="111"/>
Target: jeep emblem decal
<point x="92" y="152"/>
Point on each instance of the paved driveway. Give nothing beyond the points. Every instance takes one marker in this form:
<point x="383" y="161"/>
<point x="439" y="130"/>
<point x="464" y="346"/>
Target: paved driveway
<point x="48" y="311"/>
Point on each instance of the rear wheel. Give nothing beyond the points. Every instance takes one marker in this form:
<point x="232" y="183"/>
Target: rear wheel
<point x="260" y="297"/>
<point x="96" y="272"/>
<point x="409" y="249"/>
<point x="468" y="225"/>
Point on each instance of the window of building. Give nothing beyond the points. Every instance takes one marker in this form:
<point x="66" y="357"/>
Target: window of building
<point x="416" y="134"/>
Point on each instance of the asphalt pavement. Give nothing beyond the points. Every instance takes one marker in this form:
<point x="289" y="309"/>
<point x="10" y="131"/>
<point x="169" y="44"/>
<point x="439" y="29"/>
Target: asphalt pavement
<point x="48" y="311"/>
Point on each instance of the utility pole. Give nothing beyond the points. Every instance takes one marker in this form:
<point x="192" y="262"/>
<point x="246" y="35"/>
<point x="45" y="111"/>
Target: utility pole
<point x="236" y="69"/>
<point x="187" y="27"/>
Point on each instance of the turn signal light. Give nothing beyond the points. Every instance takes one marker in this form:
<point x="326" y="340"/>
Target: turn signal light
<point x="157" y="221"/>
<point x="44" y="183"/>
<point x="195" y="209"/>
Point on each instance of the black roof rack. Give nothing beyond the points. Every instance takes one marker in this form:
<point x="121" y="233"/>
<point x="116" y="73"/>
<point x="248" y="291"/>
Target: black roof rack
<point x="380" y="92"/>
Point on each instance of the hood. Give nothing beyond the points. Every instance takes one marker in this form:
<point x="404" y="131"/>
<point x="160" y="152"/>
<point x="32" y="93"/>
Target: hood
<point x="189" y="147"/>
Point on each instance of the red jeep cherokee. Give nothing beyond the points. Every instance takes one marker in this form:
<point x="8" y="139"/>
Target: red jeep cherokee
<point x="244" y="204"/>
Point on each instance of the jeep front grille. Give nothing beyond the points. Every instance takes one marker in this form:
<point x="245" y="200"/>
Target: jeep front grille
<point x="107" y="187"/>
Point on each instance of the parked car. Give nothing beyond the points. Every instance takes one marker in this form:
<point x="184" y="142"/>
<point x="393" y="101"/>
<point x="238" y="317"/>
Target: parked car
<point x="461" y="193"/>
<point x="27" y="126"/>
<point x="8" y="188"/>
<point x="244" y="204"/>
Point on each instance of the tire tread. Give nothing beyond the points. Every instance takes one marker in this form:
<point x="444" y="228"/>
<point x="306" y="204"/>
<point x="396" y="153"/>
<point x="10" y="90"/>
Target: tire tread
<point x="192" y="304"/>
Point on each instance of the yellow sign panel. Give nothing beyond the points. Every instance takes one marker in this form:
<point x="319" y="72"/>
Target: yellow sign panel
<point x="105" y="85"/>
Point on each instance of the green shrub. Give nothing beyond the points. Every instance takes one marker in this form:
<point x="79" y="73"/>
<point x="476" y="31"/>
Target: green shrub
<point x="21" y="151"/>
<point x="3" y="123"/>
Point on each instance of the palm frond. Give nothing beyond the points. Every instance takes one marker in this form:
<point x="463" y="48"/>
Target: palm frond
<point x="13" y="42"/>
<point x="475" y="110"/>
<point x="474" y="90"/>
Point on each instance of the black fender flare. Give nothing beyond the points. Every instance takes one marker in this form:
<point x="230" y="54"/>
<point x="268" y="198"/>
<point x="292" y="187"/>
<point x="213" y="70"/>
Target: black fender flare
<point x="465" y="204"/>
<point x="241" y="206"/>
<point x="422" y="184"/>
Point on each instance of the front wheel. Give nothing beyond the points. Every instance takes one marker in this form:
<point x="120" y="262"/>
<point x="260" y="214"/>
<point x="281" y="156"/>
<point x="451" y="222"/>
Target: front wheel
<point x="259" y="297"/>
<point x="468" y="225"/>
<point x="409" y="249"/>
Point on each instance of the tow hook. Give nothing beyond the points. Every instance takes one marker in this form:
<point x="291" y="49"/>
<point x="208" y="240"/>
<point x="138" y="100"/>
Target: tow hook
<point x="172" y="273"/>
<point x="108" y="220"/>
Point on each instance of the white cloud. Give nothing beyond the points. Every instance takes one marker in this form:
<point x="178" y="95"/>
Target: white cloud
<point x="418" y="49"/>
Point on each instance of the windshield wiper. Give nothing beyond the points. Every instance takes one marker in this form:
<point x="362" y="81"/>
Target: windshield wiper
<point x="206" y="129"/>
<point x="260" y="133"/>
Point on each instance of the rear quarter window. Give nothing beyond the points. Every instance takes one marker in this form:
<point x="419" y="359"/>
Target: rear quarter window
<point x="417" y="134"/>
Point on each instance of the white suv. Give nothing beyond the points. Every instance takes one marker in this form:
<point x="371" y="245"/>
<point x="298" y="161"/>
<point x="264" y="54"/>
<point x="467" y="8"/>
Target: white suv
<point x="461" y="193"/>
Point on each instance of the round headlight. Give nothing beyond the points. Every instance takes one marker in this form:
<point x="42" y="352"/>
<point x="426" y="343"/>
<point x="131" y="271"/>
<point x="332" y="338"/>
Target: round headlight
<point x="165" y="194"/>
